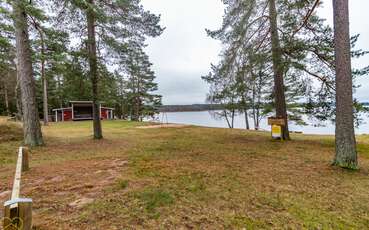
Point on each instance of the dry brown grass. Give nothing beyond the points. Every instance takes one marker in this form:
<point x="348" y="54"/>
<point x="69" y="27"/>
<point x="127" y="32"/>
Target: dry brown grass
<point x="159" y="126"/>
<point x="190" y="177"/>
<point x="10" y="131"/>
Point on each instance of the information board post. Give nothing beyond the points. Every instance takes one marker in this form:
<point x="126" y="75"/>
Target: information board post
<point x="277" y="125"/>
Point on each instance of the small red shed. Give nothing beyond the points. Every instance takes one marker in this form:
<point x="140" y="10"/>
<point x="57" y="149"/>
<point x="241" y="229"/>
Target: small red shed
<point x="81" y="110"/>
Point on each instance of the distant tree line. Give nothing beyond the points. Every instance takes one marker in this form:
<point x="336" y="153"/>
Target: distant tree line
<point x="189" y="108"/>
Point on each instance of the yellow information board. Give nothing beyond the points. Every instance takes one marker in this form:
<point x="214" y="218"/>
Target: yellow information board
<point x="276" y="131"/>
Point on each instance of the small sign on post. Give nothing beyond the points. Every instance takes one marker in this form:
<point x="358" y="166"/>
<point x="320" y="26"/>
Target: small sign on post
<point x="277" y="127"/>
<point x="276" y="131"/>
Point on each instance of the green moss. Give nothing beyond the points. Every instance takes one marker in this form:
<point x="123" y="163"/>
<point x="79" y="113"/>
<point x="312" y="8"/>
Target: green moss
<point x="311" y="217"/>
<point x="273" y="201"/>
<point x="194" y="183"/>
<point x="244" y="222"/>
<point x="154" y="198"/>
<point x="123" y="184"/>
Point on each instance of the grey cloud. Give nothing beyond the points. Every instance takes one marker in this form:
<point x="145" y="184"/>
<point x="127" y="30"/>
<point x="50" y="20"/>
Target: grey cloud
<point x="184" y="53"/>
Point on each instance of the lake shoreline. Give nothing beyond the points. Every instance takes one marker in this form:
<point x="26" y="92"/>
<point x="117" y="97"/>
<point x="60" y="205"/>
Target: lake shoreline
<point x="205" y="119"/>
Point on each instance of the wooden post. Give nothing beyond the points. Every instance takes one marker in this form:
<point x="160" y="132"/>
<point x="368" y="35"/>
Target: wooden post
<point x="25" y="159"/>
<point x="17" y="176"/>
<point x="18" y="214"/>
<point x="72" y="111"/>
<point x="18" y="211"/>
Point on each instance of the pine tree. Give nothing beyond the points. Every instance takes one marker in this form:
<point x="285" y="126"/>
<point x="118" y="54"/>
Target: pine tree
<point x="93" y="72"/>
<point x="288" y="40"/>
<point x="53" y="52"/>
<point x="38" y="15"/>
<point x="114" y="25"/>
<point x="61" y="69"/>
<point x="279" y="94"/>
<point x="346" y="155"/>
<point x="140" y="85"/>
<point x="31" y="124"/>
<point x="7" y="65"/>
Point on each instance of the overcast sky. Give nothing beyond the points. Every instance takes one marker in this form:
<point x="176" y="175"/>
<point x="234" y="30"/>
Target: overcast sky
<point x="184" y="52"/>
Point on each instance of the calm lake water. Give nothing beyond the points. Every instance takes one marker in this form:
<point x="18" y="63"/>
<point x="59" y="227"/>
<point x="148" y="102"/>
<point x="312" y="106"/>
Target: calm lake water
<point x="204" y="118"/>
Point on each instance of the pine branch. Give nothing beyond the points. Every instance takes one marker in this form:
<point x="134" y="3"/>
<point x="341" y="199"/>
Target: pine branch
<point x="306" y="18"/>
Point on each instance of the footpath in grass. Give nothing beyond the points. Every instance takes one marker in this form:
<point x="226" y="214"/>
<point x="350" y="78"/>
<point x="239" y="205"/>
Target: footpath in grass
<point x="186" y="178"/>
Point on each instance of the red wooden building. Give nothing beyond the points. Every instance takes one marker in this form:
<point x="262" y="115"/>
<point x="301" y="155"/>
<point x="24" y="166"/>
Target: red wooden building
<point x="81" y="110"/>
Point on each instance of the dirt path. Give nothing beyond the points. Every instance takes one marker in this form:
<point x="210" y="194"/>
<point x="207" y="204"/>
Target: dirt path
<point x="64" y="188"/>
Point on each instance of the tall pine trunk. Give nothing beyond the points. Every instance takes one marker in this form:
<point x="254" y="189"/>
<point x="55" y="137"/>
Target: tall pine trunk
<point x="227" y="120"/>
<point x="258" y="103"/>
<point x="247" y="119"/>
<point x="6" y="97"/>
<point x="280" y="100"/>
<point x="45" y="100"/>
<point x="254" y="107"/>
<point x="43" y="75"/>
<point x="59" y="90"/>
<point x="137" y="109"/>
<point x="346" y="155"/>
<point x="233" y="114"/>
<point x="138" y="101"/>
<point x="6" y="101"/>
<point x="31" y="123"/>
<point x="92" y="58"/>
<point x="18" y="99"/>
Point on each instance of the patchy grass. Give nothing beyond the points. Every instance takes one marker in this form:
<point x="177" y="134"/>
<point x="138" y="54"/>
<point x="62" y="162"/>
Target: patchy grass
<point x="10" y="132"/>
<point x="11" y="135"/>
<point x="123" y="184"/>
<point x="188" y="177"/>
<point x="153" y="198"/>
